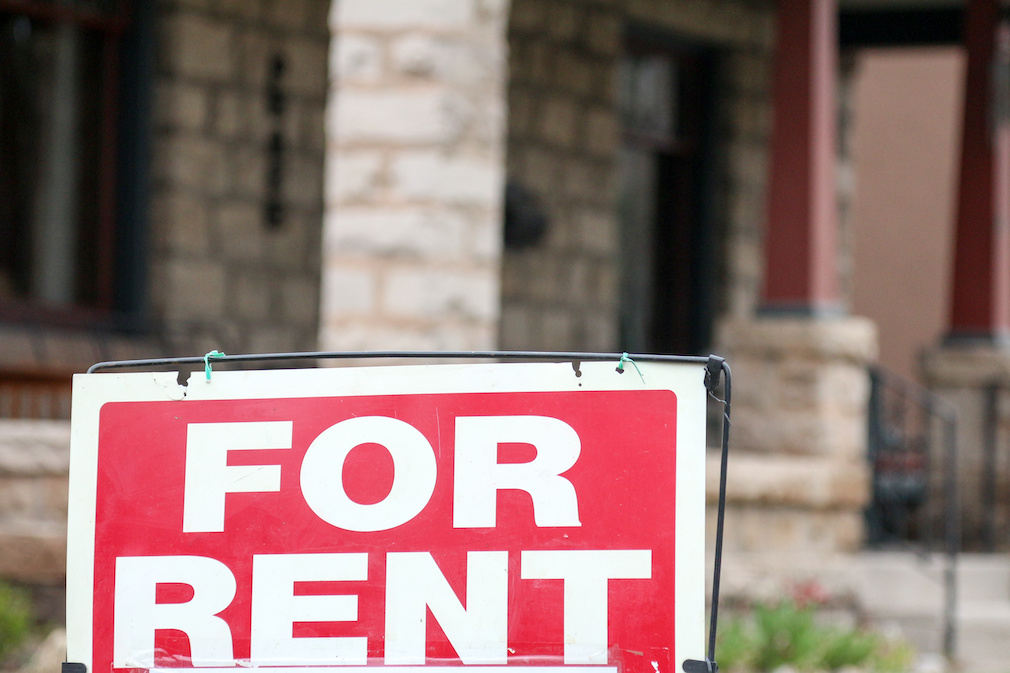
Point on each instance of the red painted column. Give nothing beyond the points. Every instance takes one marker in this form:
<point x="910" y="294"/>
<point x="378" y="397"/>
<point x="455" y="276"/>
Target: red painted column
<point x="980" y="297"/>
<point x="801" y="245"/>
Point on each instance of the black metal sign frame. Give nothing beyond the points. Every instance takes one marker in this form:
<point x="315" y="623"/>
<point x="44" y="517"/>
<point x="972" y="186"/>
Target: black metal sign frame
<point x="717" y="372"/>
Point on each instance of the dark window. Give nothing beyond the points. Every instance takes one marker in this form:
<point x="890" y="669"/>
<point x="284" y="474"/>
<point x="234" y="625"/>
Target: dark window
<point x="60" y="124"/>
<point x="666" y="246"/>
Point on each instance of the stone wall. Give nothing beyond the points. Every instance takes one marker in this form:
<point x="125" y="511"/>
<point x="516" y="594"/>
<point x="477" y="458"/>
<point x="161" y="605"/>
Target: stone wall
<point x="34" y="459"/>
<point x="563" y="138"/>
<point x="223" y="274"/>
<point x="561" y="294"/>
<point x="415" y="183"/>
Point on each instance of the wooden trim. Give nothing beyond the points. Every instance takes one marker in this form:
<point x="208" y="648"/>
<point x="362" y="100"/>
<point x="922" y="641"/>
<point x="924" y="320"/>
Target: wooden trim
<point x="86" y="18"/>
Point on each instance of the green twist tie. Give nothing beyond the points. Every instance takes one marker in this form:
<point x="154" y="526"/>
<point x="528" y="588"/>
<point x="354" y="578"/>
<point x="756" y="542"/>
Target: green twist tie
<point x="620" y="366"/>
<point x="206" y="361"/>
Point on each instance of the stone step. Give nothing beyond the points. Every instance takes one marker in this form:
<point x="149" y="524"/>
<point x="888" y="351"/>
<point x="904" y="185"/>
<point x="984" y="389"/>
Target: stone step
<point x="901" y="583"/>
<point x="906" y="592"/>
<point x="983" y="636"/>
<point x="983" y="578"/>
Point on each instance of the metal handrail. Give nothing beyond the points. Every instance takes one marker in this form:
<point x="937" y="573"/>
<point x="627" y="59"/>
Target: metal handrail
<point x="893" y="400"/>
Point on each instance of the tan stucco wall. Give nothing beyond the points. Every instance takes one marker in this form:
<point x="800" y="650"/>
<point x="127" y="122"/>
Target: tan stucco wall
<point x="906" y="125"/>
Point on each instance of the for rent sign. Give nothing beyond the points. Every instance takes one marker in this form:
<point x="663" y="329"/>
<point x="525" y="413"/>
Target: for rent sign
<point x="531" y="515"/>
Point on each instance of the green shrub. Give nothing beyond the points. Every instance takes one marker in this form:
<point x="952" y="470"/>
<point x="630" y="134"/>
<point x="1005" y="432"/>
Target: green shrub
<point x="787" y="634"/>
<point x="15" y="618"/>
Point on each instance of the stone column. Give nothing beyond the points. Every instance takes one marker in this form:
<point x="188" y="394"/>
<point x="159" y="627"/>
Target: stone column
<point x="415" y="175"/>
<point x="798" y="478"/>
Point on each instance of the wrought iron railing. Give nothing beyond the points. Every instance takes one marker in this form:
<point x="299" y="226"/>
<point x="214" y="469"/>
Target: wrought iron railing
<point x="994" y="509"/>
<point x="912" y="450"/>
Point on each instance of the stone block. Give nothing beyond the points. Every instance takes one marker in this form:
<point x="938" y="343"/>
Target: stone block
<point x="389" y="15"/>
<point x="811" y="482"/>
<point x="967" y="365"/>
<point x="521" y="106"/>
<point x="528" y="15"/>
<point x="538" y="67"/>
<point x="349" y="291"/>
<point x="305" y="74"/>
<point x="311" y="128"/>
<point x="317" y="17"/>
<point x="34" y="552"/>
<point x="18" y="347"/>
<point x="600" y="330"/>
<point x="246" y="171"/>
<point x="515" y="326"/>
<point x="288" y="14"/>
<point x="240" y="231"/>
<point x="484" y="241"/>
<point x="812" y="432"/>
<point x="433" y="294"/>
<point x="295" y="245"/>
<point x="303" y="181"/>
<point x="236" y="9"/>
<point x="783" y="530"/>
<point x="256" y="50"/>
<point x="559" y="118"/>
<point x="273" y="338"/>
<point x="68" y="351"/>
<point x="41" y="498"/>
<point x="574" y="72"/>
<point x="180" y="222"/>
<point x="193" y="162"/>
<point x="417" y="55"/>
<point x="198" y="47"/>
<point x="596" y="230"/>
<point x="563" y="21"/>
<point x="353" y="176"/>
<point x="249" y="295"/>
<point x="603" y="32"/>
<point x="356" y="59"/>
<point x="558" y="329"/>
<point x="592" y="182"/>
<point x="847" y="339"/>
<point x="542" y="171"/>
<point x="411" y="232"/>
<point x="195" y="289"/>
<point x="607" y="84"/>
<point x="430" y="175"/>
<point x="421" y="116"/>
<point x="181" y="105"/>
<point x="300" y="300"/>
<point x="229" y="113"/>
<point x="606" y="284"/>
<point x="34" y="447"/>
<point x="602" y="132"/>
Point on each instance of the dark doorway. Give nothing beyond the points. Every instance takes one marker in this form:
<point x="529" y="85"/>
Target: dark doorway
<point x="666" y="260"/>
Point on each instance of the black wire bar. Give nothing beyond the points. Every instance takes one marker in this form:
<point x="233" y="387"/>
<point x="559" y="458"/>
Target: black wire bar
<point x="717" y="372"/>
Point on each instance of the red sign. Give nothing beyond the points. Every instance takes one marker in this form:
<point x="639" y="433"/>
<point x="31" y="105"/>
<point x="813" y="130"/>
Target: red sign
<point x="532" y="528"/>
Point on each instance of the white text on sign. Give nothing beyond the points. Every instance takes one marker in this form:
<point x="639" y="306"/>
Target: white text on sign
<point x="415" y="584"/>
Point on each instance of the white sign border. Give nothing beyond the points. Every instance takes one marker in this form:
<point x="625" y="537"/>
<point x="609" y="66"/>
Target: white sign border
<point x="686" y="380"/>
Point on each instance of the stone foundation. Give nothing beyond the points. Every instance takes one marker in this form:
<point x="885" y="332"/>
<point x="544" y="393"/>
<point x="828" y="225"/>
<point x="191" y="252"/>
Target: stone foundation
<point x="798" y="479"/>
<point x="34" y="463"/>
<point x="964" y="375"/>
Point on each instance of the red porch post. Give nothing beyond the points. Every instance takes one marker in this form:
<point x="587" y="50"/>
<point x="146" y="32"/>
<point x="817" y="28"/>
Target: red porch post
<point x="980" y="297"/>
<point x="801" y="245"/>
